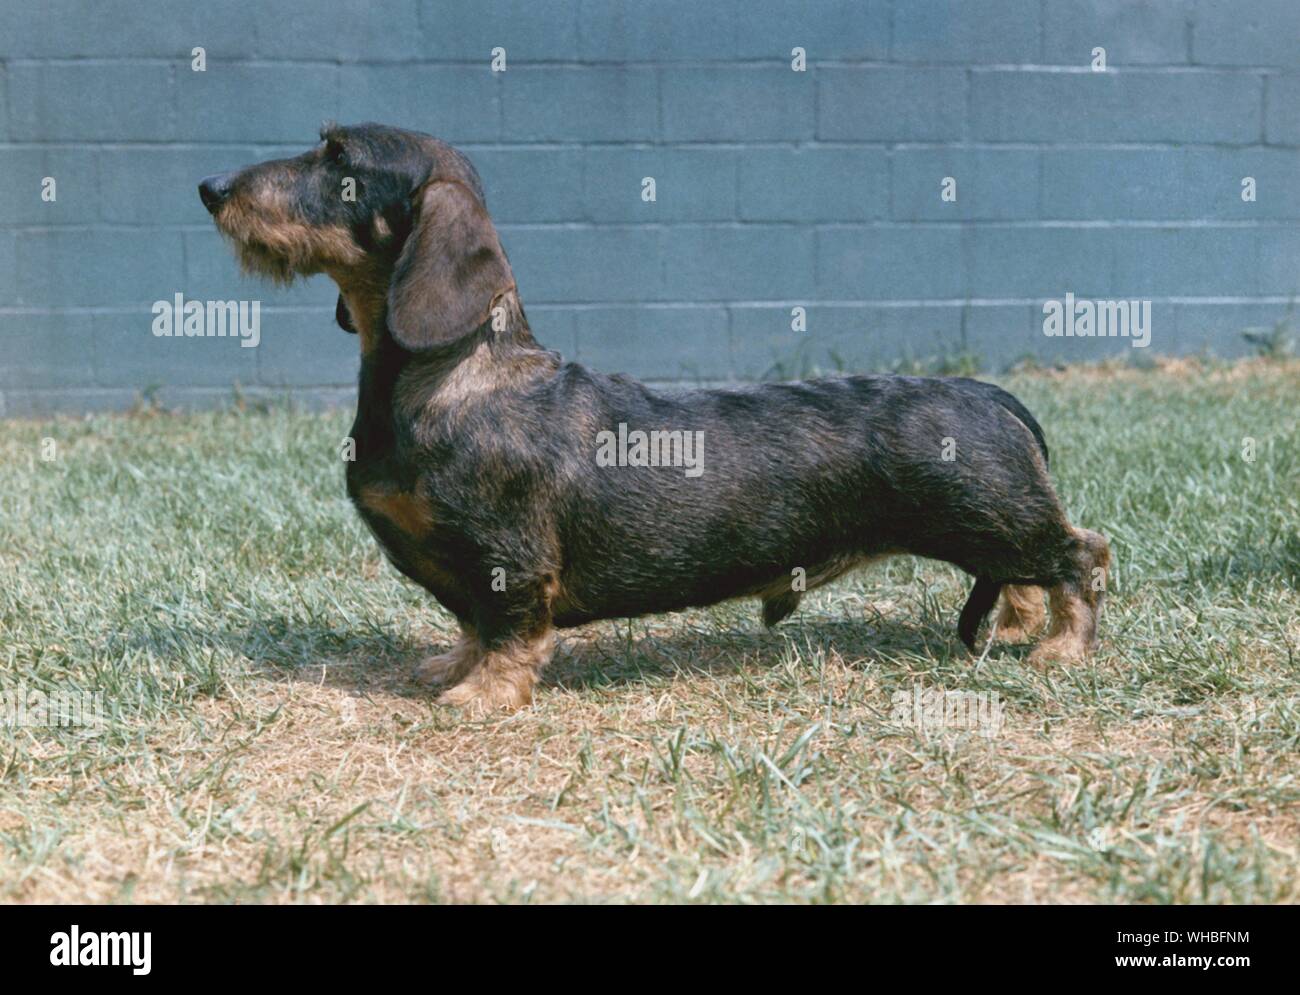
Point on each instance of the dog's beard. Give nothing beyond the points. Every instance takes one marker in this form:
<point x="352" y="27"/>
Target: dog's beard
<point x="273" y="255"/>
<point x="258" y="259"/>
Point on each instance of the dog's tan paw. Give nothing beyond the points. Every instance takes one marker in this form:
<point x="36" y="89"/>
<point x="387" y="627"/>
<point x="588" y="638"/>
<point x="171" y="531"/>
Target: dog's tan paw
<point x="1021" y="615"/>
<point x="501" y="679"/>
<point x="1058" y="651"/>
<point x="1012" y="634"/>
<point x="449" y="667"/>
<point x="479" y="698"/>
<point x="437" y="669"/>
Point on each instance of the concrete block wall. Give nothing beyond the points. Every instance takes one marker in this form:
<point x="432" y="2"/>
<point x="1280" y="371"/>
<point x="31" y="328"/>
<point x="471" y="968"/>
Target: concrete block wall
<point x="775" y="189"/>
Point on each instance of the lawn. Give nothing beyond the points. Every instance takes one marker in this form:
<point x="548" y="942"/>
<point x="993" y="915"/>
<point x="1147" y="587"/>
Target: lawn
<point x="262" y="739"/>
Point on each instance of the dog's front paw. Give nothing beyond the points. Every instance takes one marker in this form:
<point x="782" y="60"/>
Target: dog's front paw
<point x="479" y="697"/>
<point x="436" y="669"/>
<point x="501" y="679"/>
<point x="449" y="667"/>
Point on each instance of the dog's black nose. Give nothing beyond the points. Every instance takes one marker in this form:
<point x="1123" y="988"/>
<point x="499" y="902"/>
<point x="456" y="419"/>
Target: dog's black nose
<point x="213" y="191"/>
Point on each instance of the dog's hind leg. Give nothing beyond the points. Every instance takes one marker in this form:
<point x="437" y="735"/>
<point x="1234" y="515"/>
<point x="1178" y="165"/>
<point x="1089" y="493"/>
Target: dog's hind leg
<point x="1021" y="614"/>
<point x="1076" y="602"/>
<point x="982" y="598"/>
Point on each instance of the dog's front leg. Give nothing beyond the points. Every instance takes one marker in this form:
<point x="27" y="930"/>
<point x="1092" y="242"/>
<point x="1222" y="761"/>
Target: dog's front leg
<point x="503" y="675"/>
<point x="452" y="666"/>
<point x="511" y="642"/>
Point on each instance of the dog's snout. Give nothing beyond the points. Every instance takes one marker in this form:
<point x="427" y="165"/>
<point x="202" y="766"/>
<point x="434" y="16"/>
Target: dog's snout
<point x="213" y="190"/>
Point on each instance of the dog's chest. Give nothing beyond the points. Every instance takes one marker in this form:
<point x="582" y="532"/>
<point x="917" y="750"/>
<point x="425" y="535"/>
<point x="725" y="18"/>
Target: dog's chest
<point x="396" y="512"/>
<point x="403" y="522"/>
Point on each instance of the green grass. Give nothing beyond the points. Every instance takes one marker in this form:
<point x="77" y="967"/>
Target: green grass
<point x="263" y="741"/>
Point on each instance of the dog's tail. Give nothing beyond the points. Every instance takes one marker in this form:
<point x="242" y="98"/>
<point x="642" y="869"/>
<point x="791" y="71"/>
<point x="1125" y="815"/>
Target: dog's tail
<point x="982" y="598"/>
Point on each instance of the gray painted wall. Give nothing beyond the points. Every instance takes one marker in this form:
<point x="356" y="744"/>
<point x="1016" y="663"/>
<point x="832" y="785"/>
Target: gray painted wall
<point x="775" y="188"/>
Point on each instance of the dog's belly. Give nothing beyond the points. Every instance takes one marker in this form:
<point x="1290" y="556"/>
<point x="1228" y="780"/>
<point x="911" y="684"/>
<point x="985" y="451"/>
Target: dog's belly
<point x="689" y="564"/>
<point x="623" y="601"/>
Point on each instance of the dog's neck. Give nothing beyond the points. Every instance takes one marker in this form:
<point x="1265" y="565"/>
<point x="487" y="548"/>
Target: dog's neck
<point x="500" y="355"/>
<point x="506" y="328"/>
<point x="366" y="296"/>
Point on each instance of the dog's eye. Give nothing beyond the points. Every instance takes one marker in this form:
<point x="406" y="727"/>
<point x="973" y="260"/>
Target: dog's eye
<point x="334" y="153"/>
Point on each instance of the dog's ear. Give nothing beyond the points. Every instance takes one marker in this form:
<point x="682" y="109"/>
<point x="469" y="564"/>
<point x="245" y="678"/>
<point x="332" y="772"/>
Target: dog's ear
<point x="450" y="270"/>
<point x="342" y="317"/>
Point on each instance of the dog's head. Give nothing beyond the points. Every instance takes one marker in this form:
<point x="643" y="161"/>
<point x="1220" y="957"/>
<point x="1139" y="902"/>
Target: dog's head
<point x="395" y="217"/>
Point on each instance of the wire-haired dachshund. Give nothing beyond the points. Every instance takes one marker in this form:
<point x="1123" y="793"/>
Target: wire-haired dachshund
<point x="529" y="494"/>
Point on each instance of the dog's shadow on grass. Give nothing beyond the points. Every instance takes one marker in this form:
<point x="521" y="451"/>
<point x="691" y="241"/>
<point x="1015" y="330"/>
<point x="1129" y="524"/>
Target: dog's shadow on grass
<point x="604" y="655"/>
<point x="612" y="655"/>
<point x="611" y="661"/>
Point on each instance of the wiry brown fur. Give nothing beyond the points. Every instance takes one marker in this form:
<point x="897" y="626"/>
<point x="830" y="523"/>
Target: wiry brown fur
<point x="405" y="509"/>
<point x="475" y="458"/>
<point x="270" y="241"/>
<point x="1021" y="615"/>
<point x="450" y="667"/>
<point x="1076" y="605"/>
<point x="502" y="677"/>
